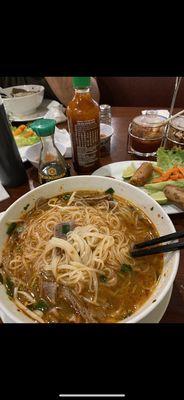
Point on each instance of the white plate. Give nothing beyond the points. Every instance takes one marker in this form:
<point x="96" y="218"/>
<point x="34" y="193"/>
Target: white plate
<point x="39" y="113"/>
<point x="116" y="170"/>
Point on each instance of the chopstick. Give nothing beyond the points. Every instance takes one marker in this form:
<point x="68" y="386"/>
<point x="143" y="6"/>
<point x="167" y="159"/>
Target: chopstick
<point x="168" y="119"/>
<point x="156" y="250"/>
<point x="139" y="249"/>
<point x="161" y="239"/>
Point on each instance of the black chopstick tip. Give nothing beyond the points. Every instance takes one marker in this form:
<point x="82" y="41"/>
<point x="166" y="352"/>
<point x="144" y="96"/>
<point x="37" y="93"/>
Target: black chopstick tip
<point x="160" y="239"/>
<point x="157" y="249"/>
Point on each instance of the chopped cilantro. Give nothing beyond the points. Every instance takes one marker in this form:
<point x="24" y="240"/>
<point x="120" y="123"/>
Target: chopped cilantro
<point x="25" y="208"/>
<point x="11" y="228"/>
<point x="41" y="305"/>
<point x="103" y="278"/>
<point x="109" y="191"/>
<point x="9" y="287"/>
<point x="125" y="268"/>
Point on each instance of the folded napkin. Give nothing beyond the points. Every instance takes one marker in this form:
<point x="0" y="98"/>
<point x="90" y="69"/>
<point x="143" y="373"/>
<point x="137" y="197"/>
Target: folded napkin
<point x="62" y="136"/>
<point x="164" y="113"/>
<point x="3" y="193"/>
<point x="56" y="111"/>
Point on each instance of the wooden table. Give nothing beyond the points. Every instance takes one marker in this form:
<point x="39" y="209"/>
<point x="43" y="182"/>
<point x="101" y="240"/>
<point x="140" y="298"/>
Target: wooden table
<point x="121" y="117"/>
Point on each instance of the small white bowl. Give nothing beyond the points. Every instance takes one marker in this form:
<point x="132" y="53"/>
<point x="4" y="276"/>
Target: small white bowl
<point x="106" y="132"/>
<point x="24" y="105"/>
<point x="32" y="153"/>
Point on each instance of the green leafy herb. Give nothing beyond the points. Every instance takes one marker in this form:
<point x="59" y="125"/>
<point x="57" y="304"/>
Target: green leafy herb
<point x="9" y="287"/>
<point x="168" y="158"/>
<point x="11" y="228"/>
<point x="66" y="196"/>
<point x="1" y="278"/>
<point x="103" y="278"/>
<point x="25" y="208"/>
<point x="41" y="305"/>
<point x="125" y="268"/>
<point x="65" y="228"/>
<point x="109" y="191"/>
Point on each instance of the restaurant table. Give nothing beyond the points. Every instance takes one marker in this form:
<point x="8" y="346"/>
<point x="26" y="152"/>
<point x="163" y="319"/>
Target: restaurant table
<point x="121" y="117"/>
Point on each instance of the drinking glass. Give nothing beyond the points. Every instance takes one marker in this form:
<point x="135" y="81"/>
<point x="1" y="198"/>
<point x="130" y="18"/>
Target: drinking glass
<point x="144" y="136"/>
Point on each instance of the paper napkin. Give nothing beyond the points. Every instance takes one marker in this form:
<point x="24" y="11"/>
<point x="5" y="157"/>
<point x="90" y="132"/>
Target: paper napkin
<point x="55" y="111"/>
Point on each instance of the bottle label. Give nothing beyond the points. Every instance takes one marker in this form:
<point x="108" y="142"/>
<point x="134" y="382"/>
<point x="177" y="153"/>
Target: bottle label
<point x="87" y="140"/>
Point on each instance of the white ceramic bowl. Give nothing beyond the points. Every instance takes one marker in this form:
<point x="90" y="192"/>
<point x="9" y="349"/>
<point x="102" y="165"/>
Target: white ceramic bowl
<point x="24" y="105"/>
<point x="106" y="132"/>
<point x="32" y="153"/>
<point x="153" y="210"/>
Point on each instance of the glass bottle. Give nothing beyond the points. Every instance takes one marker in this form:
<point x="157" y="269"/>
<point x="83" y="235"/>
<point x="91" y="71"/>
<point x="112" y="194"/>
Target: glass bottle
<point x="84" y="126"/>
<point x="12" y="171"/>
<point x="105" y="114"/>
<point x="52" y="164"/>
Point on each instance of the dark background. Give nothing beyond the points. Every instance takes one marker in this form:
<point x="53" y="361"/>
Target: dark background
<point x="41" y="361"/>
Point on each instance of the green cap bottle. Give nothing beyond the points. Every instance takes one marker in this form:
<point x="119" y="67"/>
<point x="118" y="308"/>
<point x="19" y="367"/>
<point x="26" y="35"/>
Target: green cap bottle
<point x="43" y="127"/>
<point x="81" y="82"/>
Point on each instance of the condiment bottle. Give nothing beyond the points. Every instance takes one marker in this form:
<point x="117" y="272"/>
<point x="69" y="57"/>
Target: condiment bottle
<point x="52" y="164"/>
<point x="84" y="126"/>
<point x="12" y="171"/>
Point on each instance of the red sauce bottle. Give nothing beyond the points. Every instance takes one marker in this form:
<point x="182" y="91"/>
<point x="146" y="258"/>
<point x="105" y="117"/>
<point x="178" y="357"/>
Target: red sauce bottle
<point x="84" y="126"/>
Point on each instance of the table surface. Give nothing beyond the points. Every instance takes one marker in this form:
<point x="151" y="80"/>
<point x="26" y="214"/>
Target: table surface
<point x="121" y="117"/>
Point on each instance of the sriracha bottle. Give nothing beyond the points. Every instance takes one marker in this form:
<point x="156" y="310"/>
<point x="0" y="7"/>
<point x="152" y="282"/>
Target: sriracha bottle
<point x="84" y="126"/>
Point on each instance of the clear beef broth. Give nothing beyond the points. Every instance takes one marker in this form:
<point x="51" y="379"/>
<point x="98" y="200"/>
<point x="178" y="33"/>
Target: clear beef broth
<point x="133" y="284"/>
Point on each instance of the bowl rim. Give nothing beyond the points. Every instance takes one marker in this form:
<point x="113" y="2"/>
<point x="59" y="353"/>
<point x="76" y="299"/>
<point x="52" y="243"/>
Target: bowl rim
<point x="42" y="89"/>
<point x="142" y="313"/>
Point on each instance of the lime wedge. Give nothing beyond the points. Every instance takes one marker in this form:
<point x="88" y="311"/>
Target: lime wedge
<point x="129" y="171"/>
<point x="159" y="197"/>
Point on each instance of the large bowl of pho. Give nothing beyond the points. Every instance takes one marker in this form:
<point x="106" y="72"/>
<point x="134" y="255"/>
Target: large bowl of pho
<point x="65" y="253"/>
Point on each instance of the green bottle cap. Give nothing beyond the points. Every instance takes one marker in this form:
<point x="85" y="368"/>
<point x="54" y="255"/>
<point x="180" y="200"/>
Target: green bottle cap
<point x="43" y="127"/>
<point x="80" y="82"/>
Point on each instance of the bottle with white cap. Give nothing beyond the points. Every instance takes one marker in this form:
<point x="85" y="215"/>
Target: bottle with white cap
<point x="12" y="171"/>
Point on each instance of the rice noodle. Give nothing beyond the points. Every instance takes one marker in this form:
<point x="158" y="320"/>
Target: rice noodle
<point x="98" y="246"/>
